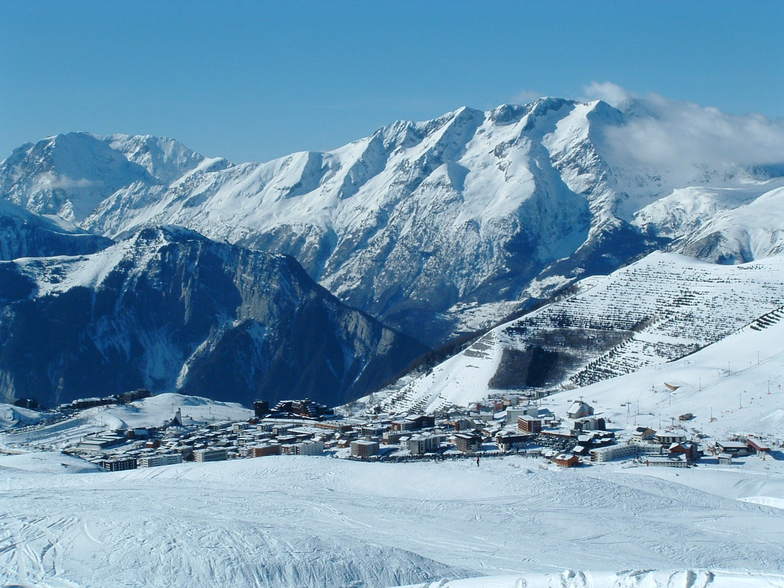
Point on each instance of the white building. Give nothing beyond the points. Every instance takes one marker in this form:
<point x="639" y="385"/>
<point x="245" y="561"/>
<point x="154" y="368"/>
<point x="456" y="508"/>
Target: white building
<point x="665" y="438"/>
<point x="210" y="455"/>
<point x="614" y="452"/>
<point x="514" y="412"/>
<point x="310" y="448"/>
<point x="153" y="461"/>
<point x="579" y="409"/>
<point x="420" y="444"/>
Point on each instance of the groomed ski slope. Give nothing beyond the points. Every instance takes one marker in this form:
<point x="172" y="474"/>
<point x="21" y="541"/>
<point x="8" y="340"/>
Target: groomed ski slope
<point x="733" y="386"/>
<point x="317" y="521"/>
<point x="661" y="308"/>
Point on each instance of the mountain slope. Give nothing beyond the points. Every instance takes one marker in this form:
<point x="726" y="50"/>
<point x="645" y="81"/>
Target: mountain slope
<point x="375" y="221"/>
<point x="656" y="310"/>
<point x="171" y="310"/>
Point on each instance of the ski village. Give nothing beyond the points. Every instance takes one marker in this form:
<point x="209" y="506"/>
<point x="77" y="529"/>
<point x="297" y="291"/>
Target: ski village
<point x="508" y="424"/>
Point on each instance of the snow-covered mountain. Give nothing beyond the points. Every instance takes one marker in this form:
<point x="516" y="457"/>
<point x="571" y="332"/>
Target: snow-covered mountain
<point x="721" y="224"/>
<point x="435" y="226"/>
<point x="171" y="310"/>
<point x="659" y="309"/>
<point x="11" y="416"/>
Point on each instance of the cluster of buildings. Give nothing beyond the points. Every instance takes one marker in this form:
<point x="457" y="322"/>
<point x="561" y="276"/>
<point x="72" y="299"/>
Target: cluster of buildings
<point x="175" y="442"/>
<point x="303" y="427"/>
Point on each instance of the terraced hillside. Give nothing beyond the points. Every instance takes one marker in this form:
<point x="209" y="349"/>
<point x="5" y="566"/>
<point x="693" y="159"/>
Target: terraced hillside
<point x="658" y="309"/>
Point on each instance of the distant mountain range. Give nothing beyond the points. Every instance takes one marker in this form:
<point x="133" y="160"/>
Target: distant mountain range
<point x="434" y="228"/>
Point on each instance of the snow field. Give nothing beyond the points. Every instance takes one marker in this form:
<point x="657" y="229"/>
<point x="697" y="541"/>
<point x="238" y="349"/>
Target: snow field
<point x="295" y="521"/>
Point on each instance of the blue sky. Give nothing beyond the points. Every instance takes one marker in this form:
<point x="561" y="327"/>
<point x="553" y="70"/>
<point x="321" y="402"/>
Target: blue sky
<point x="254" y="80"/>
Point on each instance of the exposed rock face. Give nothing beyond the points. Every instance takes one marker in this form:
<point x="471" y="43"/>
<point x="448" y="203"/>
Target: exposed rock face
<point x="171" y="310"/>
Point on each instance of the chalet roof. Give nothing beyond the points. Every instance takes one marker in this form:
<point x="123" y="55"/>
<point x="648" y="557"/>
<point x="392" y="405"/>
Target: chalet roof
<point x="565" y="457"/>
<point x="758" y="445"/>
<point x="731" y="444"/>
<point x="665" y="458"/>
<point x="512" y="434"/>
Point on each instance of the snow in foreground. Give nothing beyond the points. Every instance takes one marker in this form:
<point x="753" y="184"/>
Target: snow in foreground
<point x="627" y="579"/>
<point x="316" y="521"/>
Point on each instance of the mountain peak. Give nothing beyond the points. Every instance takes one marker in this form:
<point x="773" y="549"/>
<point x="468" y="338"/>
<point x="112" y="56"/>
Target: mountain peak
<point x="164" y="158"/>
<point x="71" y="174"/>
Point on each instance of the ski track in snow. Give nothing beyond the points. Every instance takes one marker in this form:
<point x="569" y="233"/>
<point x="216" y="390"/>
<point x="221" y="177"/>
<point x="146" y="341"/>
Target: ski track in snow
<point x="300" y="521"/>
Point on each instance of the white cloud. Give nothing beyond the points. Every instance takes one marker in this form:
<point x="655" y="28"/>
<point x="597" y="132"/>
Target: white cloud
<point x="682" y="138"/>
<point x="611" y="93"/>
<point x="525" y="96"/>
<point x="52" y="181"/>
